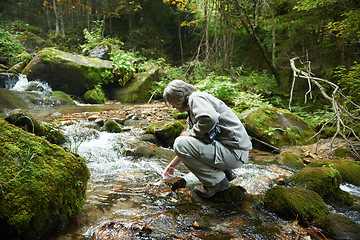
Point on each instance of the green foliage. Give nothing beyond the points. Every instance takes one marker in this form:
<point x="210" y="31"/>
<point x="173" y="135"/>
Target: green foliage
<point x="349" y="81"/>
<point x="316" y="118"/>
<point x="219" y="86"/>
<point x="123" y="66"/>
<point x="94" y="37"/>
<point x="255" y="82"/>
<point x="10" y="48"/>
<point x="19" y="26"/>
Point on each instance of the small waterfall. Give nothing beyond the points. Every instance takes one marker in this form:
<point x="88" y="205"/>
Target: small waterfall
<point x="24" y="85"/>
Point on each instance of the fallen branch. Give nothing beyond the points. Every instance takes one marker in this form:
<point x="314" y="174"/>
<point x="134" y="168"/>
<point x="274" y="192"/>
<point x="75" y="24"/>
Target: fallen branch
<point x="340" y="109"/>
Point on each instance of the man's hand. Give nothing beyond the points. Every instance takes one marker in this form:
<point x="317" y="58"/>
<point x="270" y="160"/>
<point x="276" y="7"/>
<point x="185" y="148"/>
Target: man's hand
<point x="169" y="172"/>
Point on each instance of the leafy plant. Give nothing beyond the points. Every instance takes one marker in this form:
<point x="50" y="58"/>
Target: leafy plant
<point x="349" y="81"/>
<point x="219" y="86"/>
<point x="10" y="48"/>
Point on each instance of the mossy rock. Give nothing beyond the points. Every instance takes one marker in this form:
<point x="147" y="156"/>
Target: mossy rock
<point x="95" y="95"/>
<point x="42" y="185"/>
<point x="73" y="74"/>
<point x="51" y="134"/>
<point x="338" y="226"/>
<point x="295" y="203"/>
<point x="342" y="152"/>
<point x="112" y="126"/>
<point x="30" y="41"/>
<point x="166" y="132"/>
<point x="323" y="180"/>
<point x="278" y="127"/>
<point x="138" y="89"/>
<point x="291" y="160"/>
<point x="180" y="115"/>
<point x="349" y="170"/>
<point x="59" y="98"/>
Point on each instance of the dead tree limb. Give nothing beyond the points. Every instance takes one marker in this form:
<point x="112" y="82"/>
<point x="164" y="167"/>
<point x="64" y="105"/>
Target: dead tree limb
<point x="342" y="116"/>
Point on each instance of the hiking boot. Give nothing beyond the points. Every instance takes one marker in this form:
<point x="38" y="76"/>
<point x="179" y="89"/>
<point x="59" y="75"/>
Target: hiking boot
<point x="230" y="175"/>
<point x="206" y="192"/>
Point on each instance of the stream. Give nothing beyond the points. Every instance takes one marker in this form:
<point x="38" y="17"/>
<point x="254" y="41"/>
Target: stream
<point x="127" y="197"/>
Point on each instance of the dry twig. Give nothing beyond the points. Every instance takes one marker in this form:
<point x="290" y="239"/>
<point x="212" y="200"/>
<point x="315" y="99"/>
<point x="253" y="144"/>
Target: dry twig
<point x="341" y="113"/>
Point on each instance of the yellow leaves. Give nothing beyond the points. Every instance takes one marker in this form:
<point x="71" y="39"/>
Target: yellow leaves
<point x="189" y="24"/>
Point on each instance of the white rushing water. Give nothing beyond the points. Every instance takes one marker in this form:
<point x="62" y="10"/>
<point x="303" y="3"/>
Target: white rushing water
<point x="23" y="85"/>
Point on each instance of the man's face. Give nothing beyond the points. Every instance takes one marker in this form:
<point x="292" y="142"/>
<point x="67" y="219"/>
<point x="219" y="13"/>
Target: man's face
<point x="176" y="104"/>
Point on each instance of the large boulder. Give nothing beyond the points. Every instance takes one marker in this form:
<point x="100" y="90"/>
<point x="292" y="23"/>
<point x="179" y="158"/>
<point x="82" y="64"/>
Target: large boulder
<point x="295" y="203"/>
<point x="278" y="127"/>
<point x="73" y="74"/>
<point x="42" y="185"/>
<point x="137" y="90"/>
<point x="10" y="99"/>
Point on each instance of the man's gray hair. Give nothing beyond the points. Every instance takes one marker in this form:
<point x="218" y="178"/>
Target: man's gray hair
<point x="178" y="90"/>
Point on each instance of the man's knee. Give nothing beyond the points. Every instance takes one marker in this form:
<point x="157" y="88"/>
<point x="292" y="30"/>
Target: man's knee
<point x="180" y="144"/>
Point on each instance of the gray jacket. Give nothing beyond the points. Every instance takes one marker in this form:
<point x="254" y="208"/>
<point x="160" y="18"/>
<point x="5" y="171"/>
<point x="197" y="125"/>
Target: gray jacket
<point x="206" y="111"/>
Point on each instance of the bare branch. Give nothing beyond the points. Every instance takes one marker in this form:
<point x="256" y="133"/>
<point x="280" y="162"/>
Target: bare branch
<point x="341" y="115"/>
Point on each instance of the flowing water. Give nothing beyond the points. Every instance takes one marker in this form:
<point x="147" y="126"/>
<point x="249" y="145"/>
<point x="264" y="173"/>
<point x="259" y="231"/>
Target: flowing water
<point x="127" y="198"/>
<point x="130" y="192"/>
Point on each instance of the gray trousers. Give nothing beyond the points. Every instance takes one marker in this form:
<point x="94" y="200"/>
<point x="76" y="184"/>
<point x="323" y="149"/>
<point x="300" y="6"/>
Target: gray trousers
<point x="208" y="161"/>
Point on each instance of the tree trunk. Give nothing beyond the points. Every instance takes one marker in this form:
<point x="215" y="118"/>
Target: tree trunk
<point x="57" y="28"/>
<point x="244" y="18"/>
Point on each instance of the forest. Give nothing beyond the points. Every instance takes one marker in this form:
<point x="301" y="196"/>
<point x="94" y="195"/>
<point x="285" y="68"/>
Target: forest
<point x="301" y="55"/>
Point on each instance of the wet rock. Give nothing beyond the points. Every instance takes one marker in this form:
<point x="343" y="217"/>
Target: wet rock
<point x="164" y="223"/>
<point x="278" y="127"/>
<point x="295" y="203"/>
<point x="325" y="181"/>
<point x="112" y="126"/>
<point x="149" y="138"/>
<point x="166" y="132"/>
<point x="25" y="121"/>
<point x="349" y="170"/>
<point x="291" y="159"/>
<point x="151" y="151"/>
<point x="339" y="226"/>
<point x="116" y="230"/>
<point x="232" y="194"/>
<point x="44" y="185"/>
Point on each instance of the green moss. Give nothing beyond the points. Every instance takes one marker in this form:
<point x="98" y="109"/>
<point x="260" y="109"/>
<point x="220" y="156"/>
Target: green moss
<point x="278" y="127"/>
<point x="63" y="97"/>
<point x="342" y="152"/>
<point x="41" y="183"/>
<point x="51" y="134"/>
<point x="350" y="171"/>
<point x="295" y="203"/>
<point x="112" y="126"/>
<point x="324" y="180"/>
<point x="291" y="160"/>
<point x="95" y="95"/>
<point x="166" y="132"/>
